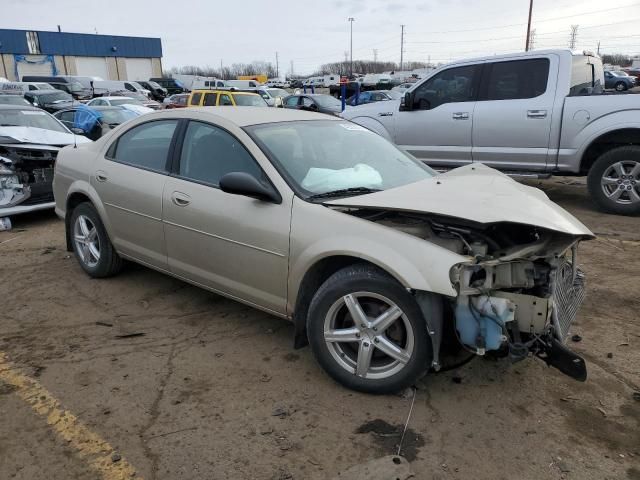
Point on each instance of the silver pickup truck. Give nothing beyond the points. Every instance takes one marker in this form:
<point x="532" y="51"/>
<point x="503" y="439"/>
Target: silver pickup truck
<point x="537" y="113"/>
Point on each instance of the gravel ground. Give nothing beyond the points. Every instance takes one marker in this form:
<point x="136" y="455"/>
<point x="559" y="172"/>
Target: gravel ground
<point x="212" y="389"/>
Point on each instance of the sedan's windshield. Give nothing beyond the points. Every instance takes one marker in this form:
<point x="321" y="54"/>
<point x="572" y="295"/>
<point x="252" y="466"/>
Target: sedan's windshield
<point x="12" y="100"/>
<point x="249" y="101"/>
<point x="75" y="87"/>
<point x="277" y="92"/>
<point x="325" y="156"/>
<point x="30" y="118"/>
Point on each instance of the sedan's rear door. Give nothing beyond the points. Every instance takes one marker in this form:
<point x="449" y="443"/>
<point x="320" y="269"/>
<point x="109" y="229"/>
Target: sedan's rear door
<point x="232" y="244"/>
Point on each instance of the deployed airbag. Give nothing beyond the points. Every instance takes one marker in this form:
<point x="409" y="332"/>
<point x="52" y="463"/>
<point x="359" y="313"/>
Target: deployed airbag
<point x="325" y="179"/>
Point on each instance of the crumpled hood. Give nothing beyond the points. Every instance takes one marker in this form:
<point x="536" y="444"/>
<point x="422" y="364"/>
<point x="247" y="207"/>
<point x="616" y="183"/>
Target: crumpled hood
<point x="477" y="193"/>
<point x="40" y="136"/>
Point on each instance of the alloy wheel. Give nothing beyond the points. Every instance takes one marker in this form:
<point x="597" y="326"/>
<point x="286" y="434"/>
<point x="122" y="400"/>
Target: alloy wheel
<point x="368" y="335"/>
<point x="85" y="237"/>
<point x="620" y="182"/>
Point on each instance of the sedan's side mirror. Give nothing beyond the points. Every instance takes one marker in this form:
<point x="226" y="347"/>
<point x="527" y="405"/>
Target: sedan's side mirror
<point x="242" y="183"/>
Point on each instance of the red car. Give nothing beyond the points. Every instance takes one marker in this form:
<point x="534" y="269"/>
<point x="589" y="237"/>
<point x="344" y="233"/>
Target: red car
<point x="179" y="100"/>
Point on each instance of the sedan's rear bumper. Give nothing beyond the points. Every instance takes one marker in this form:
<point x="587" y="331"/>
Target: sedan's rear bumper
<point x="18" y="209"/>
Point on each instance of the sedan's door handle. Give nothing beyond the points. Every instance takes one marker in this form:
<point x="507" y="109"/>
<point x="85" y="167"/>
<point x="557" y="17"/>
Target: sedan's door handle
<point x="385" y="114"/>
<point x="536" y="113"/>
<point x="460" y="116"/>
<point x="180" y="199"/>
<point x="101" y="176"/>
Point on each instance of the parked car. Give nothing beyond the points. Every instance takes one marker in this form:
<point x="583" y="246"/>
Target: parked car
<point x="295" y="84"/>
<point x="20" y="88"/>
<point x="170" y="84"/>
<point x="370" y="253"/>
<point x="235" y="98"/>
<point x="273" y="96"/>
<point x="142" y="99"/>
<point x="30" y="139"/>
<point x="158" y="93"/>
<point x="179" y="100"/>
<point x="10" y="99"/>
<point x="536" y="113"/>
<point x="104" y="87"/>
<point x="94" y="122"/>
<point x="50" y="100"/>
<point x="369" y="97"/>
<point x="402" y="88"/>
<point x="65" y="84"/>
<point x="118" y="100"/>
<point x="620" y="81"/>
<point x="314" y="103"/>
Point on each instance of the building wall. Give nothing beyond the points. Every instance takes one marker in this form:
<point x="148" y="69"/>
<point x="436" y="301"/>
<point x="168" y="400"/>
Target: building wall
<point x="156" y="65"/>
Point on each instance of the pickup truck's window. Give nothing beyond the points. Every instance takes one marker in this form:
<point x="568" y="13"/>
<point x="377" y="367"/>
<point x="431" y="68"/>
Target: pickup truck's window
<point x="195" y="99"/>
<point x="449" y="86"/>
<point x="209" y="153"/>
<point x="517" y="79"/>
<point x="210" y="99"/>
<point x="586" y="76"/>
<point x="146" y="145"/>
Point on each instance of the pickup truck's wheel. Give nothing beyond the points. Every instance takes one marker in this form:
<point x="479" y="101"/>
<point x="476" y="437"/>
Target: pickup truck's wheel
<point x="614" y="180"/>
<point x="620" y="87"/>
<point x="91" y="244"/>
<point x="367" y="331"/>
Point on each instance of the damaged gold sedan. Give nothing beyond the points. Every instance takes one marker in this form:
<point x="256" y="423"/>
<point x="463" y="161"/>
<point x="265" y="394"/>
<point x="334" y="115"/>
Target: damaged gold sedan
<point x="372" y="255"/>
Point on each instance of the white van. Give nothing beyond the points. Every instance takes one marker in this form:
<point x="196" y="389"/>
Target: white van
<point x="103" y="87"/>
<point x="242" y="84"/>
<point x="202" y="84"/>
<point x="20" y="88"/>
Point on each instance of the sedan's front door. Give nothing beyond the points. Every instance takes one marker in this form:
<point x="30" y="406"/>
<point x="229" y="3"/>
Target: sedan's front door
<point x="233" y="244"/>
<point x="438" y="127"/>
<point x="129" y="181"/>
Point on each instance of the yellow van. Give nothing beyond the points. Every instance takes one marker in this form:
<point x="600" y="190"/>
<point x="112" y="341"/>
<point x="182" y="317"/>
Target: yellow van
<point x="213" y="98"/>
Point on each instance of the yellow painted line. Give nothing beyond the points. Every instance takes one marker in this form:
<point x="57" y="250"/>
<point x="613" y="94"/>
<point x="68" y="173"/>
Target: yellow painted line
<point x="90" y="446"/>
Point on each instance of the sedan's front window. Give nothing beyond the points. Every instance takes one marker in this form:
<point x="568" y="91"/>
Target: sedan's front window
<point x="323" y="156"/>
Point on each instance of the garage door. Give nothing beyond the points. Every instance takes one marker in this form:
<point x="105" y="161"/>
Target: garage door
<point x="138" y="68"/>
<point x="92" y="67"/>
<point x="34" y="65"/>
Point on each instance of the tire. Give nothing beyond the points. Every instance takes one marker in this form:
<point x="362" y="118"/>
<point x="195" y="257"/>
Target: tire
<point x="613" y="170"/>
<point x="620" y="87"/>
<point x="376" y="293"/>
<point x="94" y="251"/>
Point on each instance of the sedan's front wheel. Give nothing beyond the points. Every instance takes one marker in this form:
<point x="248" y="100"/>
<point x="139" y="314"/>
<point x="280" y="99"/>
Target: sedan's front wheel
<point x="367" y="331"/>
<point x="91" y="244"/>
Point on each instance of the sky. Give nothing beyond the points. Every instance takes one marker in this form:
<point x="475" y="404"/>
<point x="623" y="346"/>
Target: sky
<point x="306" y="34"/>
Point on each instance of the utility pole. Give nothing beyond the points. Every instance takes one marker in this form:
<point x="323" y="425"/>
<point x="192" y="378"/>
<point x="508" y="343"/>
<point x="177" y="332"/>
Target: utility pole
<point x="375" y="55"/>
<point x="598" y="47"/>
<point x="526" y="46"/>
<point x="291" y="74"/>
<point x="401" y="45"/>
<point x="351" y="19"/>
<point x="572" y="37"/>
<point x="277" y="69"/>
<point x="532" y="39"/>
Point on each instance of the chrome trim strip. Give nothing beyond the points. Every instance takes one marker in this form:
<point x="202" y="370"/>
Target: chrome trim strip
<point x="132" y="211"/>
<point x="225" y="239"/>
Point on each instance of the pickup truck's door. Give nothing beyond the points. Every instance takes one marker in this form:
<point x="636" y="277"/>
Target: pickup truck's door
<point x="512" y="119"/>
<point x="438" y="128"/>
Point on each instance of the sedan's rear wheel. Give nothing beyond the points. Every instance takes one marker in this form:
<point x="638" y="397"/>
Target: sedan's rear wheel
<point x="367" y="331"/>
<point x="621" y="87"/>
<point x="91" y="244"/>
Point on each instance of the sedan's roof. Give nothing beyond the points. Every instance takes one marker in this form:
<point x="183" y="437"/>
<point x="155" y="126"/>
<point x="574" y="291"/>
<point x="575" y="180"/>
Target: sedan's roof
<point x="245" y="116"/>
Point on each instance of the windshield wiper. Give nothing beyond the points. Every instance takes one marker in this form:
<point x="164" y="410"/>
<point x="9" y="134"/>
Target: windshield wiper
<point x="344" y="192"/>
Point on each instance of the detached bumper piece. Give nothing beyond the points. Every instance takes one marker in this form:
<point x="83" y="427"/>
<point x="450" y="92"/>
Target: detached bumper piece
<point x="556" y="354"/>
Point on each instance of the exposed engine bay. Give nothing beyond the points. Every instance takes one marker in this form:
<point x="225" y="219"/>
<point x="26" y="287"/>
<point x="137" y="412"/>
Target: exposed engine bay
<point x="26" y="175"/>
<point x="517" y="295"/>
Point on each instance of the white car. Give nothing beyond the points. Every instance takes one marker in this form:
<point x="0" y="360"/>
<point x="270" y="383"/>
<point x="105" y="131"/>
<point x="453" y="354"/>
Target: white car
<point x="117" y="101"/>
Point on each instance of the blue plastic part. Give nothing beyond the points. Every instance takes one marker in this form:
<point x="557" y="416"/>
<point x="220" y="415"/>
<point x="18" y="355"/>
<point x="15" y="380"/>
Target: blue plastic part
<point x="86" y="118"/>
<point x="471" y="325"/>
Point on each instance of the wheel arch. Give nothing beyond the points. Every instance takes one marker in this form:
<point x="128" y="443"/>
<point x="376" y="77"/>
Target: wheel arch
<point x="608" y="141"/>
<point x="81" y="192"/>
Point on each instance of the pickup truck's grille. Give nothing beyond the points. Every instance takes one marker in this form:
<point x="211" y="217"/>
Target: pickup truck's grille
<point x="569" y="293"/>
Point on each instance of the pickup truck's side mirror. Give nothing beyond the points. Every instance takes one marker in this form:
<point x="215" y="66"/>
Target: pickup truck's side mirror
<point x="242" y="183"/>
<point x="406" y="104"/>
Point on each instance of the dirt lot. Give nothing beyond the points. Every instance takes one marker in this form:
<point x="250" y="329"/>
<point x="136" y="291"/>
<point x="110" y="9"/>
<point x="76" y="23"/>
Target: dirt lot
<point x="214" y="390"/>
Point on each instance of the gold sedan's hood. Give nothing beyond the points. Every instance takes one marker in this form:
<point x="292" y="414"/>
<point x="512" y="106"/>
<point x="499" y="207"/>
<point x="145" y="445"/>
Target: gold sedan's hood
<point x="477" y="193"/>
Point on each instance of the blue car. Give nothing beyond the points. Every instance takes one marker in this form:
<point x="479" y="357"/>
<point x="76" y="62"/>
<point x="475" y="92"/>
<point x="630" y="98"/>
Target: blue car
<point x="619" y="81"/>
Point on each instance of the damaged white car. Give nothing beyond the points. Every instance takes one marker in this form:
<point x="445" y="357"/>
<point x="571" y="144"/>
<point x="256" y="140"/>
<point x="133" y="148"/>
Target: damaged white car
<point x="375" y="258"/>
<point x="30" y="139"/>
